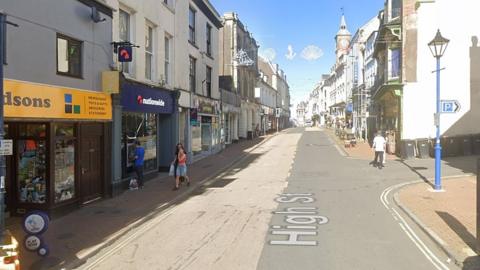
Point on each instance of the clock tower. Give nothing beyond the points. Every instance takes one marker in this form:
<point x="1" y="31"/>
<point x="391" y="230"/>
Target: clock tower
<point x="342" y="39"/>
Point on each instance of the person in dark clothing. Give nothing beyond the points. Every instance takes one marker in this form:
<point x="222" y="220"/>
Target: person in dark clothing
<point x="139" y="160"/>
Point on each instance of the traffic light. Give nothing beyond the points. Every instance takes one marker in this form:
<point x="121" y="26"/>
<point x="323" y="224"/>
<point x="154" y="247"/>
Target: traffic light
<point x="125" y="54"/>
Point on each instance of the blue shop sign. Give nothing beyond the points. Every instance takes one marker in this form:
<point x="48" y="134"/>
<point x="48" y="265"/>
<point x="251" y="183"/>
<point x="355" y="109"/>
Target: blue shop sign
<point x="138" y="98"/>
<point x="349" y="107"/>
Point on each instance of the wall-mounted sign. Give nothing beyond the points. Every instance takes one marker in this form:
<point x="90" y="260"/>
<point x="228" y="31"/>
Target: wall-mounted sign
<point x="6" y="147"/>
<point x="206" y="108"/>
<point x="29" y="100"/>
<point x="193" y="117"/>
<point x="32" y="242"/>
<point x="35" y="222"/>
<point x="141" y="98"/>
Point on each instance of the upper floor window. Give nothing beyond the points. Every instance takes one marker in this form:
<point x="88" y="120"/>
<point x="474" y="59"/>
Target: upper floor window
<point x="124" y="33"/>
<point x="167" y="60"/>
<point x="149" y="59"/>
<point x="191" y="25"/>
<point x="396" y="8"/>
<point x="395" y="63"/>
<point x="193" y="71"/>
<point x="69" y="56"/>
<point x="209" y="39"/>
<point x="208" y="81"/>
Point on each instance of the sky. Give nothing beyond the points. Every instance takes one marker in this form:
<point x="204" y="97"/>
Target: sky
<point x="299" y="35"/>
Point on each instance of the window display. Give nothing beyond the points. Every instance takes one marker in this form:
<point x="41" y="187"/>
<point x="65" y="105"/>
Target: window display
<point x="64" y="169"/>
<point x="141" y="127"/>
<point x="32" y="171"/>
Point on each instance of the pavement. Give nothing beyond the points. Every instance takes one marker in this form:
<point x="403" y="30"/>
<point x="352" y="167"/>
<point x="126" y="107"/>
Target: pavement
<point x="449" y="217"/>
<point x="75" y="237"/>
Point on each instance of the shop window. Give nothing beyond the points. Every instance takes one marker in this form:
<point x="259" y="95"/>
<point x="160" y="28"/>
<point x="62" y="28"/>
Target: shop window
<point x="33" y="130"/>
<point x="64" y="162"/>
<point x="141" y="127"/>
<point x="32" y="170"/>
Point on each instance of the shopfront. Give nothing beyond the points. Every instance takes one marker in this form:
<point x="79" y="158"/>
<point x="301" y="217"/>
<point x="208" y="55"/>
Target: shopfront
<point x="205" y="127"/>
<point x="147" y="117"/>
<point x="60" y="145"/>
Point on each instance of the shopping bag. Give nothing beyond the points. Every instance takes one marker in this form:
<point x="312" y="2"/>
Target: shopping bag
<point x="172" y="170"/>
<point x="133" y="184"/>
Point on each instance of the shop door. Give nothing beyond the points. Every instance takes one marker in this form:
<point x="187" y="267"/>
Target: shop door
<point x="91" y="168"/>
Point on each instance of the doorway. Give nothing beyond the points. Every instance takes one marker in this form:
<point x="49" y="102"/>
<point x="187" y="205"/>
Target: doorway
<point x="91" y="162"/>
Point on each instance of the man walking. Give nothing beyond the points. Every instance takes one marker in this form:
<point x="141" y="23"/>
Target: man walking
<point x="139" y="160"/>
<point x="379" y="145"/>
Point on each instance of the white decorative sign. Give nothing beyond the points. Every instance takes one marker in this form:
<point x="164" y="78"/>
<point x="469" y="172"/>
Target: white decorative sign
<point x="35" y="223"/>
<point x="242" y="59"/>
<point x="6" y="147"/>
<point x="32" y="242"/>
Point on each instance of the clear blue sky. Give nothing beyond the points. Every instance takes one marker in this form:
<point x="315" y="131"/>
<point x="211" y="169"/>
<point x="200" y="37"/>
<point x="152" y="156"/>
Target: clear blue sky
<point x="275" y="24"/>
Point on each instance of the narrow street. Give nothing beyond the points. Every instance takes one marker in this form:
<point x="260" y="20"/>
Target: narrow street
<point x="294" y="203"/>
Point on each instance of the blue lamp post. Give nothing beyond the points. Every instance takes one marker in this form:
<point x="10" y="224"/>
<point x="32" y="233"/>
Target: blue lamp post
<point x="438" y="46"/>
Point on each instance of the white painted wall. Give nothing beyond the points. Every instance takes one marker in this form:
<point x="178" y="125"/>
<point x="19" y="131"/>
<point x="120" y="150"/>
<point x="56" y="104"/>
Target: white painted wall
<point x="158" y="15"/>
<point x="419" y="98"/>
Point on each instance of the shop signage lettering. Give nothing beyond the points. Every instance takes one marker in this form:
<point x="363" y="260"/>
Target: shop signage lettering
<point x="29" y="100"/>
<point x="10" y="100"/>
<point x="136" y="97"/>
<point x="150" y="101"/>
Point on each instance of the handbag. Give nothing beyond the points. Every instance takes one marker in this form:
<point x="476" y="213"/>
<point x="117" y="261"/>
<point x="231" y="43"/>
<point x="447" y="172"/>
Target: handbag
<point x="171" y="172"/>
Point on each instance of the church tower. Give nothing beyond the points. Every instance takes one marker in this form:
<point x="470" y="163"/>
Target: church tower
<point x="342" y="39"/>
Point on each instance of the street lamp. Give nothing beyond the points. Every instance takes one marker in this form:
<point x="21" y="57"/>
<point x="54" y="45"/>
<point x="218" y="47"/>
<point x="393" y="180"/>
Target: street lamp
<point x="438" y="46"/>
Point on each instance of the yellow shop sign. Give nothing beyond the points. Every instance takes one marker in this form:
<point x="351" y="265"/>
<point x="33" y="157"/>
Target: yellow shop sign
<point x="29" y="100"/>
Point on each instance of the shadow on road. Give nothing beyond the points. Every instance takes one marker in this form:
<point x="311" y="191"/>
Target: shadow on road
<point x="69" y="239"/>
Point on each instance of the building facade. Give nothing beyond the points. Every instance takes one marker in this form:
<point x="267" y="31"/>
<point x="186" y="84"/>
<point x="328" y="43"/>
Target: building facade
<point x="145" y="107"/>
<point x="196" y="63"/>
<point x="56" y="114"/>
<point x="239" y="74"/>
<point x="268" y="96"/>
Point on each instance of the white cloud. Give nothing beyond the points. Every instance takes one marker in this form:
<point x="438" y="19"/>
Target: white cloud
<point x="312" y="53"/>
<point x="291" y="54"/>
<point x="268" y="54"/>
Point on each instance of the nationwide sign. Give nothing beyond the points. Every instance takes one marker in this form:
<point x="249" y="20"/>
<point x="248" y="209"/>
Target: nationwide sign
<point x="142" y="98"/>
<point x="150" y="101"/>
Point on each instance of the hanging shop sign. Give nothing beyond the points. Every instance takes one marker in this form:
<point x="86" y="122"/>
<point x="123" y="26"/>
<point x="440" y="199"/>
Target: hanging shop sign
<point x="206" y="108"/>
<point x="29" y="100"/>
<point x="142" y="98"/>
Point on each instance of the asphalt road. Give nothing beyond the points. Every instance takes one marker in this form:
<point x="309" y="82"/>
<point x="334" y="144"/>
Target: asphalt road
<point x="294" y="203"/>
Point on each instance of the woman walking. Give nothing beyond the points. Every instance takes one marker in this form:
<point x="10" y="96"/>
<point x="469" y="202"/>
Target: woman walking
<point x="181" y="168"/>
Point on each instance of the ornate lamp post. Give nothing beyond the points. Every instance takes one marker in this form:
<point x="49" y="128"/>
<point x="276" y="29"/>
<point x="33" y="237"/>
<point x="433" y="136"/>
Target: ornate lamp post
<point x="438" y="46"/>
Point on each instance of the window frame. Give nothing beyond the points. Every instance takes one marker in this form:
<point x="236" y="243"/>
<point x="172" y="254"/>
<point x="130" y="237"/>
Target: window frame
<point x="209" y="40"/>
<point x="167" y="59"/>
<point x="148" y="27"/>
<point x="80" y="57"/>
<point x="208" y="81"/>
<point x="192" y="28"/>
<point x="125" y="67"/>
<point x="192" y="76"/>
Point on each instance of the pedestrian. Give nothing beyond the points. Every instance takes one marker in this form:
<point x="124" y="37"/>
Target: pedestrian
<point x="139" y="160"/>
<point x="181" y="170"/>
<point x="175" y="160"/>
<point x="379" y="145"/>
